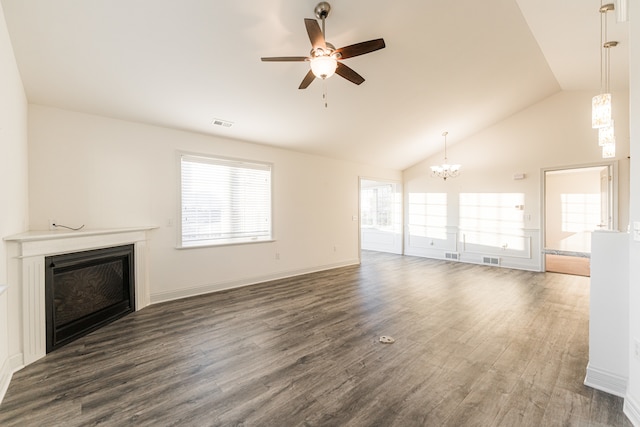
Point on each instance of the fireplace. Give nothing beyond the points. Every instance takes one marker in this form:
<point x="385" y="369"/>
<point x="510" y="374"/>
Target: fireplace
<point x="26" y="253"/>
<point x="87" y="290"/>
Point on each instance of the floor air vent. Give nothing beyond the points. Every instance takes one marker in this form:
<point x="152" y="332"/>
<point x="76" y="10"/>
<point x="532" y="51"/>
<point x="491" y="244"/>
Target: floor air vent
<point x="490" y="260"/>
<point x="452" y="255"/>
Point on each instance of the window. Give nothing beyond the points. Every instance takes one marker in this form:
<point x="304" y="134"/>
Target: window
<point x="224" y="201"/>
<point x="493" y="219"/>
<point x="377" y="206"/>
<point x="580" y="212"/>
<point x="428" y="215"/>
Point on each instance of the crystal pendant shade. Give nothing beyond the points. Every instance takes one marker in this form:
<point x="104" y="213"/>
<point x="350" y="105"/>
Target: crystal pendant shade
<point x="606" y="135"/>
<point x="601" y="110"/>
<point x="609" y="151"/>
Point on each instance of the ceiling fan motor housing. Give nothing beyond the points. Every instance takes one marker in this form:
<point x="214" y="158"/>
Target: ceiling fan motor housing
<point x="322" y="10"/>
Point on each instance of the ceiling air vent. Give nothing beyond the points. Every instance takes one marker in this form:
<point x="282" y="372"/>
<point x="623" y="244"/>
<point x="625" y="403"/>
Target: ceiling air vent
<point x="223" y="123"/>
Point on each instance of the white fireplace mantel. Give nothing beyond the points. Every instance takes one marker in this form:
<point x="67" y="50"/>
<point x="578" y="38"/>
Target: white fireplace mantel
<point x="32" y="247"/>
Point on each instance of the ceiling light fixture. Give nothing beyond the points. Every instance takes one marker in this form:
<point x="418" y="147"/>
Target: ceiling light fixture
<point x="601" y="104"/>
<point x="323" y="65"/>
<point x="325" y="60"/>
<point x="445" y="170"/>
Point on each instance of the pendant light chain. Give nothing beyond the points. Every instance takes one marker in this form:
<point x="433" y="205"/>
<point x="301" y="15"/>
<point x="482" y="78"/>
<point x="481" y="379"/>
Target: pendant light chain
<point x="606" y="52"/>
<point x="445" y="146"/>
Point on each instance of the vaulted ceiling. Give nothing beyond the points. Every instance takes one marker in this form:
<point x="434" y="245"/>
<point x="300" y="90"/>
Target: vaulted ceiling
<point x="458" y="66"/>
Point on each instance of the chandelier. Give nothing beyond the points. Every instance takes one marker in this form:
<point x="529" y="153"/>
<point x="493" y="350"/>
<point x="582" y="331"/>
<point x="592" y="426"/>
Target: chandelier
<point x="445" y="170"/>
<point x="601" y="104"/>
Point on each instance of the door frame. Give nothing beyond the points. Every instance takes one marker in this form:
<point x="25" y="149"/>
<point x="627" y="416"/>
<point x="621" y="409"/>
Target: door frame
<point x="613" y="166"/>
<point x="400" y="190"/>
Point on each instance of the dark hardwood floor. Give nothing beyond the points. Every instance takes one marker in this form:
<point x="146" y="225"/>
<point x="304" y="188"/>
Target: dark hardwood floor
<point x="474" y="346"/>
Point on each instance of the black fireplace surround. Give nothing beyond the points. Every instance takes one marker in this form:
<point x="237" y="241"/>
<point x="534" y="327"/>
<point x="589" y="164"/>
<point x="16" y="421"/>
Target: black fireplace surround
<point x="87" y="290"/>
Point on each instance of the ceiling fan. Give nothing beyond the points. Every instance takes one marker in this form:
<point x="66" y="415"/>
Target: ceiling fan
<point x="324" y="58"/>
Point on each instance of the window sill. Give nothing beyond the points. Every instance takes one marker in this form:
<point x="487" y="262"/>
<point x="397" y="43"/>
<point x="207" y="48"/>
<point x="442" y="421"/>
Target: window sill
<point x="225" y="243"/>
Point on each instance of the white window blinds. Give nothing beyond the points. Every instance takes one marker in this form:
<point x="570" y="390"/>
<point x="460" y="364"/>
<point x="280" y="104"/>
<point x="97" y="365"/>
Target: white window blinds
<point x="224" y="201"/>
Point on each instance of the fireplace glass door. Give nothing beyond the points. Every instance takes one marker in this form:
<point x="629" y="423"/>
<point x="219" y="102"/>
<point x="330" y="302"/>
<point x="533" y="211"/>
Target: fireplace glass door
<point x="87" y="290"/>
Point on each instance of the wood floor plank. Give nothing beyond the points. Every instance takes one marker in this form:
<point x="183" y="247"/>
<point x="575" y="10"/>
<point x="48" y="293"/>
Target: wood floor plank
<point x="568" y="264"/>
<point x="474" y="345"/>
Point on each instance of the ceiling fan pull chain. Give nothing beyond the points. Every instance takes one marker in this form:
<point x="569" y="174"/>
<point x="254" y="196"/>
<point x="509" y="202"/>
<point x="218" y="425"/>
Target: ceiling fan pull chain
<point x="324" y="93"/>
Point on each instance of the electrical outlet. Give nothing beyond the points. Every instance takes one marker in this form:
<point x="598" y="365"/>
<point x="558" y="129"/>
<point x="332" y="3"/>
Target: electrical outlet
<point x="637" y="349"/>
<point x="277" y="255"/>
<point x="52" y="224"/>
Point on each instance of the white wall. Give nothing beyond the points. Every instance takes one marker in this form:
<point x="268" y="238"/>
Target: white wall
<point x="632" y="400"/>
<point x="608" y="313"/>
<point x="13" y="195"/>
<point x="556" y="132"/>
<point x="106" y="173"/>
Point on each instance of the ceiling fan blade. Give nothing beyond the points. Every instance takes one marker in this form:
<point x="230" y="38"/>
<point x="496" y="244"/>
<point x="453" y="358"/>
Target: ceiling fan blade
<point x="349" y="74"/>
<point x="307" y="80"/>
<point x="361" y="48"/>
<point x="315" y="33"/>
<point x="284" y="58"/>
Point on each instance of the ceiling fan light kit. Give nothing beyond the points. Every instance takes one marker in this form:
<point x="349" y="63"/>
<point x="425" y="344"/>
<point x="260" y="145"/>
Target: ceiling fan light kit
<point x="325" y="60"/>
<point x="323" y="66"/>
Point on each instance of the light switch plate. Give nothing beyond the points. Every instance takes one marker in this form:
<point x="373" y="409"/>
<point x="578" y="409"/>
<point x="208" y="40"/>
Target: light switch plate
<point x="636" y="231"/>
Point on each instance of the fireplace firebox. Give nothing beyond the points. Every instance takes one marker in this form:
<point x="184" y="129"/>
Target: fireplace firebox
<point x="87" y="290"/>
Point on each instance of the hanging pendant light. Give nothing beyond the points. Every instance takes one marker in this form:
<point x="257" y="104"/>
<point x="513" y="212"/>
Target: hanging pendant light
<point x="445" y="170"/>
<point x="601" y="104"/>
<point x="601" y="110"/>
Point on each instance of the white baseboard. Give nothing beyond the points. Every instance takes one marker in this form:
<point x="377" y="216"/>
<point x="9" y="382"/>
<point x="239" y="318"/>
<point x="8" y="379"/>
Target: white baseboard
<point x="632" y="410"/>
<point x="10" y="365"/>
<point x="221" y="286"/>
<point x="608" y="382"/>
<point x="5" y="378"/>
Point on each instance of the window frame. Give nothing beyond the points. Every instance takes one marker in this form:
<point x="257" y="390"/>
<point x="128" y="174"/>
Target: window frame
<point x="217" y="159"/>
